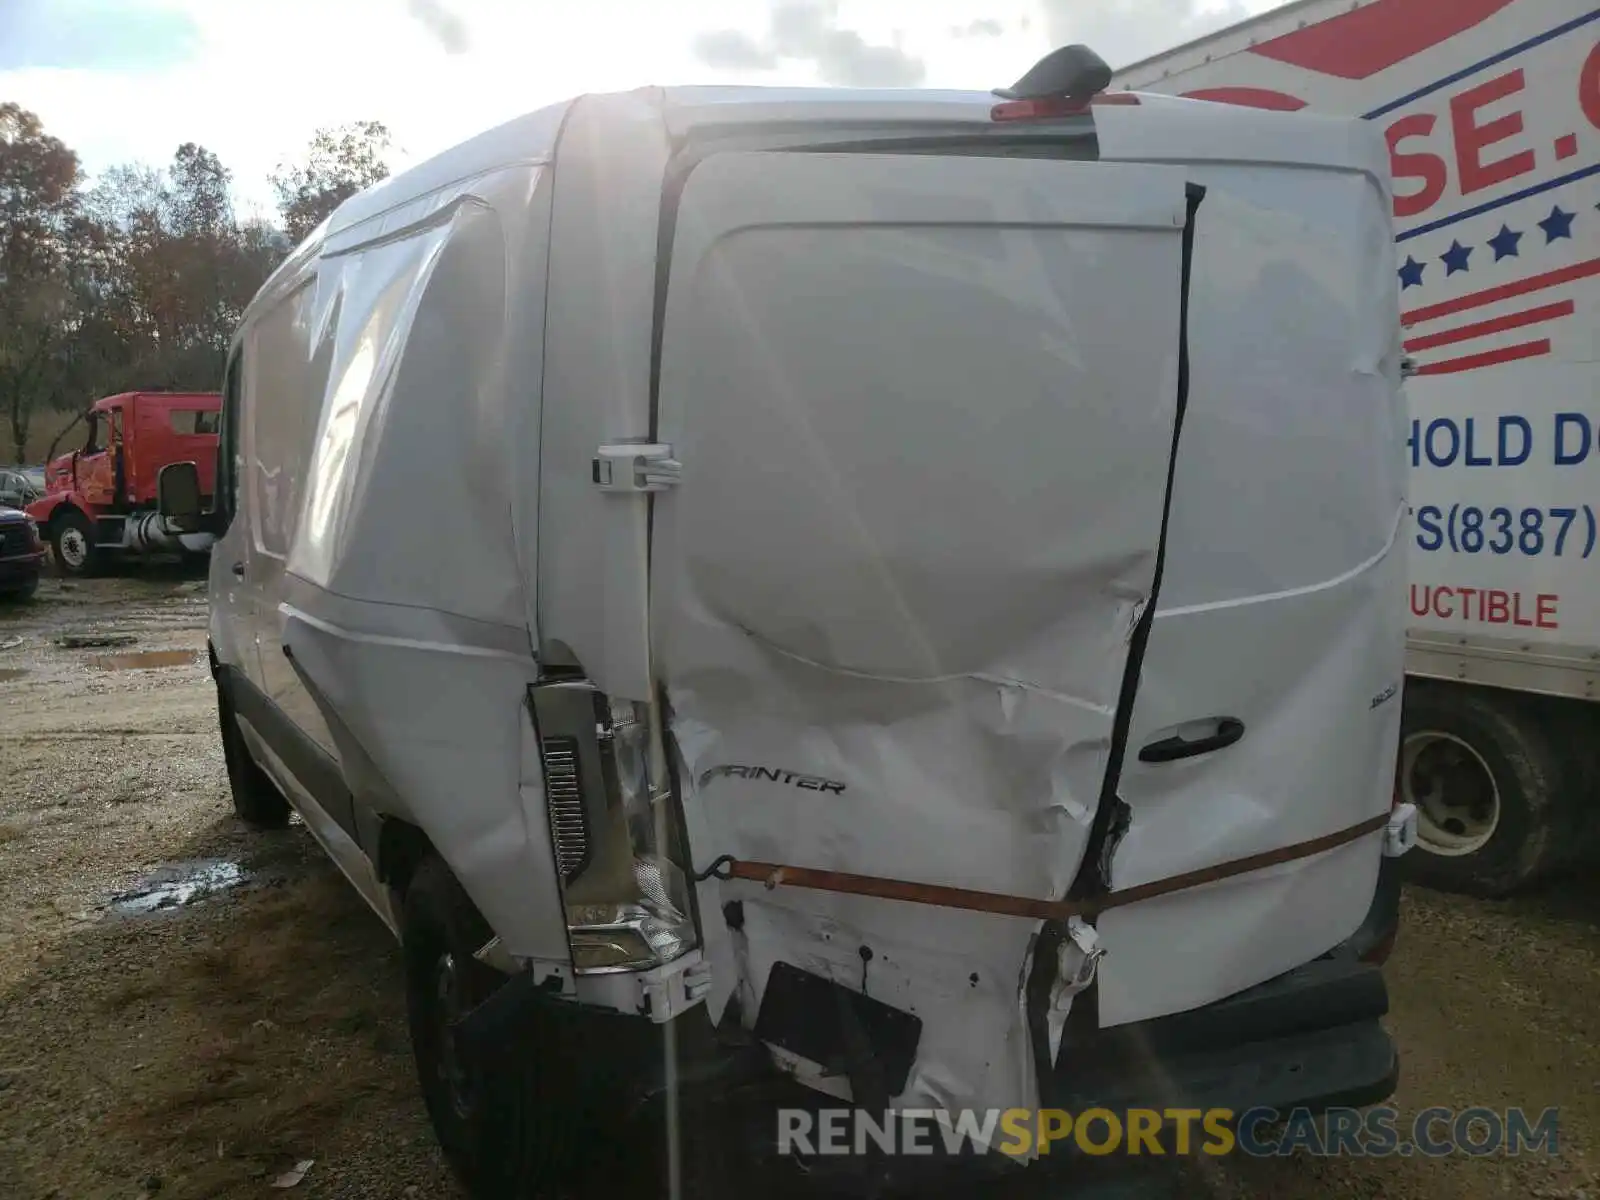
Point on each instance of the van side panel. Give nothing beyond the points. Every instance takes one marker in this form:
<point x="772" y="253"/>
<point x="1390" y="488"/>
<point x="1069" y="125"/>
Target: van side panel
<point x="285" y="372"/>
<point x="402" y="614"/>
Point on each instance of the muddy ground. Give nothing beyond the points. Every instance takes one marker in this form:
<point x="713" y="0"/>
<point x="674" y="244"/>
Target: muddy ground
<point x="187" y="1009"/>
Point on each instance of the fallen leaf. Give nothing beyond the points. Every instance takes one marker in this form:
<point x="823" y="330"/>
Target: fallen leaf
<point x="290" y="1178"/>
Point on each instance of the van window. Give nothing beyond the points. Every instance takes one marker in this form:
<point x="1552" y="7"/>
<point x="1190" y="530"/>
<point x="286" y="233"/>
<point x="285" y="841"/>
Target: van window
<point x="193" y="421"/>
<point x="283" y="390"/>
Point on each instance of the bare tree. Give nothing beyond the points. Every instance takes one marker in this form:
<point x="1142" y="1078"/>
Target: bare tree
<point x="339" y="163"/>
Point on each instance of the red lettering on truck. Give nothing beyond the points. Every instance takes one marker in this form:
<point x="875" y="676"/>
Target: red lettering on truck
<point x="1421" y="165"/>
<point x="1472" y="138"/>
<point x="1485" y="606"/>
<point x="1547" y="612"/>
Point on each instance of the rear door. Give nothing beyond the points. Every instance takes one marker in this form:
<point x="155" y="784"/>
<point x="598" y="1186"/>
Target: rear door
<point x="1276" y="652"/>
<point x="925" y="409"/>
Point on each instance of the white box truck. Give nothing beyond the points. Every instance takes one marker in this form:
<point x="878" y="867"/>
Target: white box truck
<point x="1491" y="109"/>
<point x="872" y="617"/>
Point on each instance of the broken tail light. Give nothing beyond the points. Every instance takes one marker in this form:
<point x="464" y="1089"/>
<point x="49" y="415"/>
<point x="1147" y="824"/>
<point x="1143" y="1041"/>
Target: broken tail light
<point x="611" y="826"/>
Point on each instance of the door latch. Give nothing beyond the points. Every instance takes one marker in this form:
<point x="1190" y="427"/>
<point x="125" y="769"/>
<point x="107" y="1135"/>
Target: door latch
<point x="635" y="467"/>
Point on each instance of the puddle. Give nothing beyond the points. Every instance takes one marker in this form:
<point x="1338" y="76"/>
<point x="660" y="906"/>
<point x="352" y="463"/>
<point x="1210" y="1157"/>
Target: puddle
<point x="7" y="674"/>
<point x="178" y="885"/>
<point x="144" y="660"/>
<point x="90" y="640"/>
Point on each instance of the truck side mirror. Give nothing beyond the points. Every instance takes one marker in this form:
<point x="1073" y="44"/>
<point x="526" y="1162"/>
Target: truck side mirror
<point x="178" y="496"/>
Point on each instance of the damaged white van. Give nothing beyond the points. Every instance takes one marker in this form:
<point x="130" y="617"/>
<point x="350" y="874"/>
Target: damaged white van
<point x="889" y="591"/>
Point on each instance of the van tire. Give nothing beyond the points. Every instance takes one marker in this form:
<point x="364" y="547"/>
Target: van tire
<point x="511" y="1128"/>
<point x="256" y="799"/>
<point x="72" y="544"/>
<point x="1507" y="765"/>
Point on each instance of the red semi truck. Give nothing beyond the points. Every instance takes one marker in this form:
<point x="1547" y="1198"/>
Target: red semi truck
<point x="100" y="500"/>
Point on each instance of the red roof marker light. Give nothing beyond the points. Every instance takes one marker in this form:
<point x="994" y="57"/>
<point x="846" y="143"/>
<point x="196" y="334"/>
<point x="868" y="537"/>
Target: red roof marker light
<point x="1051" y="108"/>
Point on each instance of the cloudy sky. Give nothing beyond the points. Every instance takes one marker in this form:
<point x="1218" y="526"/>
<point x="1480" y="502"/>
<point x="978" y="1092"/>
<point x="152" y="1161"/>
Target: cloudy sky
<point x="128" y="80"/>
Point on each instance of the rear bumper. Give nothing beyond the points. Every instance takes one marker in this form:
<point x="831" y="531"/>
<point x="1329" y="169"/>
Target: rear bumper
<point x="1311" y="1038"/>
<point x="1308" y="1039"/>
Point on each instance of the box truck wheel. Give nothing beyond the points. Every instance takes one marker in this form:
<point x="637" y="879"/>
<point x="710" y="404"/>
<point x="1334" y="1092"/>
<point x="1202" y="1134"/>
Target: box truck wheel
<point x="510" y="1128"/>
<point x="1488" y="783"/>
<point x="256" y="799"/>
<point x="72" y="543"/>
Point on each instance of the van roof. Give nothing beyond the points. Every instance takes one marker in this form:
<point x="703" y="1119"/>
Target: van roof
<point x="1229" y="132"/>
<point x="532" y="138"/>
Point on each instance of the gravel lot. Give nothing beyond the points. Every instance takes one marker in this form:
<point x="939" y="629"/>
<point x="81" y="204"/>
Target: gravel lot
<point x="194" y="1049"/>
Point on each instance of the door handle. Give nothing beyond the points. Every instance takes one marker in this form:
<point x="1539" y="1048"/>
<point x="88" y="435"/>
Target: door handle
<point x="238" y="570"/>
<point x="1171" y="749"/>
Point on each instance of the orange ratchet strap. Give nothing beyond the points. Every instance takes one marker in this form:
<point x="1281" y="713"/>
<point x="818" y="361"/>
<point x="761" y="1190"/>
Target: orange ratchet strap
<point x="774" y="875"/>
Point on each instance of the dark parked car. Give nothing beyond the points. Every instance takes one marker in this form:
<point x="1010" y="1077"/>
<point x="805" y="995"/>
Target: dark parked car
<point x="21" y="554"/>
<point x="20" y="486"/>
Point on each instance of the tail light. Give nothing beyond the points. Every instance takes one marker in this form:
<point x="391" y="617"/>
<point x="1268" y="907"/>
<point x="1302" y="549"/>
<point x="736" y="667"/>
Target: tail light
<point x="563" y="793"/>
<point x="612" y="829"/>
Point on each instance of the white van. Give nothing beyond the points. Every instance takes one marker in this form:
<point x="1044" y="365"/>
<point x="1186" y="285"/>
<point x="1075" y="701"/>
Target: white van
<point x="904" y="581"/>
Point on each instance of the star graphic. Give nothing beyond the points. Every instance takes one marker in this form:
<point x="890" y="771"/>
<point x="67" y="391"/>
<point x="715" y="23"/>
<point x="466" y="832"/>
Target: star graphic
<point x="1557" y="225"/>
<point x="1505" y="242"/>
<point x="1411" y="273"/>
<point x="1455" y="258"/>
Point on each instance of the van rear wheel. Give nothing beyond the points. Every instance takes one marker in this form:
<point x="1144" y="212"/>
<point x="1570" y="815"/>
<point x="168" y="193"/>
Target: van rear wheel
<point x="511" y="1128"/>
<point x="1489" y="786"/>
